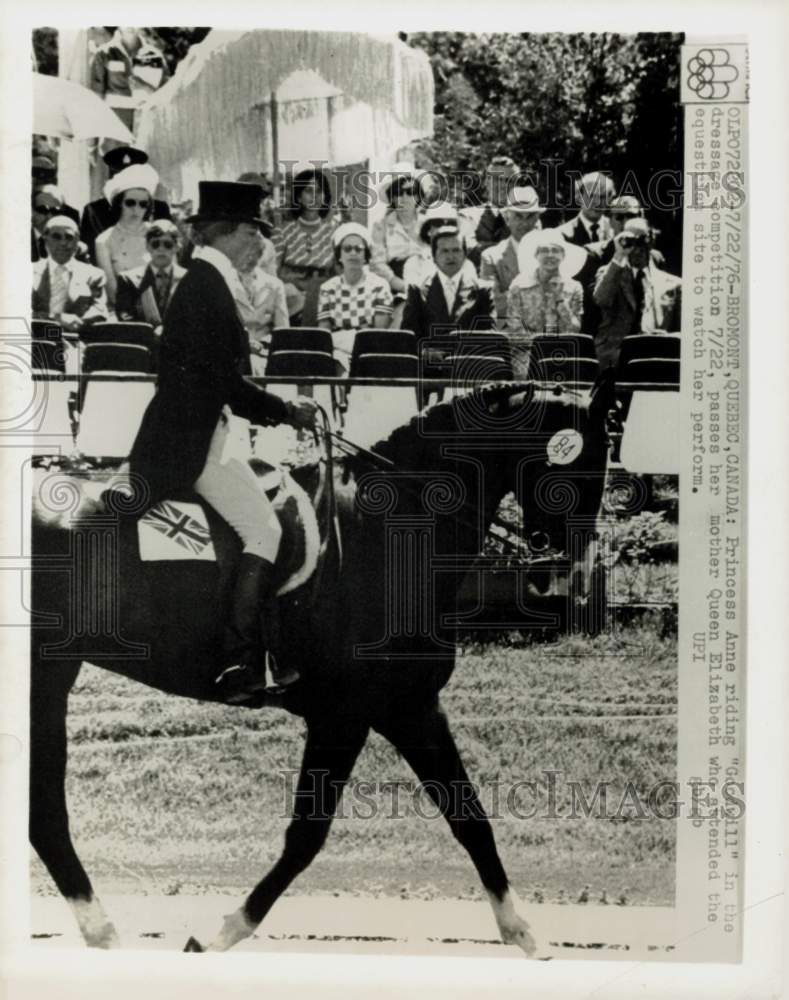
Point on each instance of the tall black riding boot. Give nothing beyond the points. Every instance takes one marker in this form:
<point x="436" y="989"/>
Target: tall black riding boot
<point x="242" y="639"/>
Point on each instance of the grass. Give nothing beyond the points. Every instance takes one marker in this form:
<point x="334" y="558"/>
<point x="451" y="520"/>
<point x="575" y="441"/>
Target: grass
<point x="168" y="795"/>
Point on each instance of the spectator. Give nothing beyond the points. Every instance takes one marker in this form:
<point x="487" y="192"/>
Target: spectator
<point x="499" y="263"/>
<point x="487" y="223"/>
<point x="600" y="253"/>
<point x="304" y="244"/>
<point x="543" y="297"/>
<point x="449" y="299"/>
<point x="356" y="298"/>
<point x="47" y="203"/>
<point x="144" y="292"/>
<point x="421" y="267"/>
<point x="268" y="256"/>
<point x="127" y="69"/>
<point x="64" y="289"/>
<point x="44" y="174"/>
<point x="97" y="215"/>
<point x="261" y="301"/>
<point x="593" y="194"/>
<point x="633" y="294"/>
<point x="122" y="246"/>
<point x="396" y="236"/>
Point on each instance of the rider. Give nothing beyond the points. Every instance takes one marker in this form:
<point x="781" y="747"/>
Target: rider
<point x="204" y="356"/>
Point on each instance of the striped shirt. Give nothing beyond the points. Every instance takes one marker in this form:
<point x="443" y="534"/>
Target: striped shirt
<point x="304" y="244"/>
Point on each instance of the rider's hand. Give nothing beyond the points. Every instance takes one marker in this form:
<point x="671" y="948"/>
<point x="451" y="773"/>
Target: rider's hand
<point x="622" y="253"/>
<point x="302" y="412"/>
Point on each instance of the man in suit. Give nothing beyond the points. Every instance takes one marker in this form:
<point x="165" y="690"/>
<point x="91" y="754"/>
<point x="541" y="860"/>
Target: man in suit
<point x="203" y="361"/>
<point x="634" y="296"/>
<point x="145" y="292"/>
<point x="601" y="252"/>
<point x="97" y="215"/>
<point x="485" y="224"/>
<point x="500" y="262"/>
<point x="71" y="293"/>
<point x="447" y="302"/>
<point x="593" y="194"/>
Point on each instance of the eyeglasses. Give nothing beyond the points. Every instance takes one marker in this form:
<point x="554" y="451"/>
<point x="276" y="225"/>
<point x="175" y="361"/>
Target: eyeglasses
<point x="134" y="203"/>
<point x="62" y="237"/>
<point x="353" y="248"/>
<point x="46" y="209"/>
<point x="155" y="243"/>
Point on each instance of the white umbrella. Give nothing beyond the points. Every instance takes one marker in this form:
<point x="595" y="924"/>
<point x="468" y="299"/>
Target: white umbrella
<point x="69" y="110"/>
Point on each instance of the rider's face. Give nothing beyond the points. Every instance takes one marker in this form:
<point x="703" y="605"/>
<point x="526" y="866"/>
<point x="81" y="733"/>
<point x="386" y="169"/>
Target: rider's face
<point x="244" y="243"/>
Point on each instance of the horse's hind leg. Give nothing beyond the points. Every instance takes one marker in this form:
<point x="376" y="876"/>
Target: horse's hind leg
<point x="329" y="755"/>
<point x="50" y="683"/>
<point x="426" y="743"/>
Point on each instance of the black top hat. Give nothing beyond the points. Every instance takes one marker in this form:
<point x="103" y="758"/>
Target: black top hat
<point x="229" y="201"/>
<point x="121" y="157"/>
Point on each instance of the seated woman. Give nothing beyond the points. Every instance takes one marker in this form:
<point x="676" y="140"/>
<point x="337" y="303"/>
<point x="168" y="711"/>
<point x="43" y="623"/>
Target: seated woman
<point x="261" y="304"/>
<point x="396" y="236"/>
<point x="122" y="246"/>
<point x="304" y="244"/>
<point x="356" y="298"/>
<point x="543" y="297"/>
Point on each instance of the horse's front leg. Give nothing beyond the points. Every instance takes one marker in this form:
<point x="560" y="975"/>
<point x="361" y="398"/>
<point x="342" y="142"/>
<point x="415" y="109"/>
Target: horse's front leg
<point x="430" y="749"/>
<point x="329" y="755"/>
<point x="50" y="683"/>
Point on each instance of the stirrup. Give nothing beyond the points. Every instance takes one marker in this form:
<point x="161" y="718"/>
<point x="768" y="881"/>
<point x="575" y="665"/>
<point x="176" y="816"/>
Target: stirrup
<point x="277" y="682"/>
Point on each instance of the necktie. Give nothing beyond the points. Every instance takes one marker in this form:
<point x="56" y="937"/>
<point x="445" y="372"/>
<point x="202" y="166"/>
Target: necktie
<point x="161" y="283"/>
<point x="638" y="288"/>
<point x="594" y="229"/>
<point x="59" y="294"/>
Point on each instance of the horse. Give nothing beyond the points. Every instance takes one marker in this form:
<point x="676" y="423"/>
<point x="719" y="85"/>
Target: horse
<point x="373" y="631"/>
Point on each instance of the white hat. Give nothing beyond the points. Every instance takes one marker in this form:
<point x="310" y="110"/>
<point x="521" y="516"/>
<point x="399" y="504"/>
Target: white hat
<point x="402" y="170"/>
<point x="138" y="175"/>
<point x="62" y="222"/>
<point x="524" y="199"/>
<point x="574" y="256"/>
<point x="351" y="229"/>
<point x="443" y="212"/>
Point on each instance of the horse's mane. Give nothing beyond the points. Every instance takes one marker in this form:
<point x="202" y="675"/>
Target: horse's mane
<point x="416" y="444"/>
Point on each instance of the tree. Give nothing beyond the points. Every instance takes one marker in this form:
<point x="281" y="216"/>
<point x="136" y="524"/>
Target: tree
<point x="554" y="101"/>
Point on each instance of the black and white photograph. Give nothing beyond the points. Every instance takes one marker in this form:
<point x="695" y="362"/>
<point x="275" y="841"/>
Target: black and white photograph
<point x="378" y="535"/>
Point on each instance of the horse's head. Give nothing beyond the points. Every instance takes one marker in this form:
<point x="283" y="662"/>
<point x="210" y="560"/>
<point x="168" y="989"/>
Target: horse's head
<point x="549" y="447"/>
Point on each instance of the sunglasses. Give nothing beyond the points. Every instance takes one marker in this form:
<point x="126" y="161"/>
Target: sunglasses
<point x="62" y="237"/>
<point x="133" y="203"/>
<point x="155" y="243"/>
<point x="46" y="209"/>
<point x="353" y="248"/>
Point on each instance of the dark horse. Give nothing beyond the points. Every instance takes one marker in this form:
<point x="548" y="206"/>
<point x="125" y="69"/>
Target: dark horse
<point x="373" y="637"/>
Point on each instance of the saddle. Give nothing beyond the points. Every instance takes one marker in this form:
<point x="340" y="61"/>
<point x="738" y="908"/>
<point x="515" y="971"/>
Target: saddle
<point x="184" y="527"/>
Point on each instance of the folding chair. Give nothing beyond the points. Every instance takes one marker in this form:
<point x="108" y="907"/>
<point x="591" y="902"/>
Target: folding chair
<point x="648" y="385"/>
<point x="111" y="412"/>
<point x="374" y="411"/>
<point x="566" y="359"/>
<point x="303" y="351"/>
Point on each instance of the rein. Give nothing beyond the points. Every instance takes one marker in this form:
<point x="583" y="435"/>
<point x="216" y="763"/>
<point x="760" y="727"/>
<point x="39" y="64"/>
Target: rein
<point x="376" y="461"/>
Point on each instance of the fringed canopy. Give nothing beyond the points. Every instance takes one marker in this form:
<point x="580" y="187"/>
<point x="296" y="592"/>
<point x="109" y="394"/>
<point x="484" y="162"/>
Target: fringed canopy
<point x="215" y="111"/>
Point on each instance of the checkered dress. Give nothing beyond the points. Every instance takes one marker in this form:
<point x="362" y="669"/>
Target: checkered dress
<point x="348" y="308"/>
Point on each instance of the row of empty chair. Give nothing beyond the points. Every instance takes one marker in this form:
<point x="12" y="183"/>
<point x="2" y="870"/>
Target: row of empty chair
<point x="103" y="417"/>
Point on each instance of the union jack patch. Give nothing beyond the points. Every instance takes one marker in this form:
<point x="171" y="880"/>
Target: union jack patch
<point x="173" y="530"/>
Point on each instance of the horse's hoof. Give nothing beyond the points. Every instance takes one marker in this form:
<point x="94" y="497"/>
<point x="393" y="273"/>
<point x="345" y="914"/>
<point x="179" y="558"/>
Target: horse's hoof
<point x="193" y="945"/>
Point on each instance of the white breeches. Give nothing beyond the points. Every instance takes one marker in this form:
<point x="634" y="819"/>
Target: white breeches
<point x="230" y="486"/>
